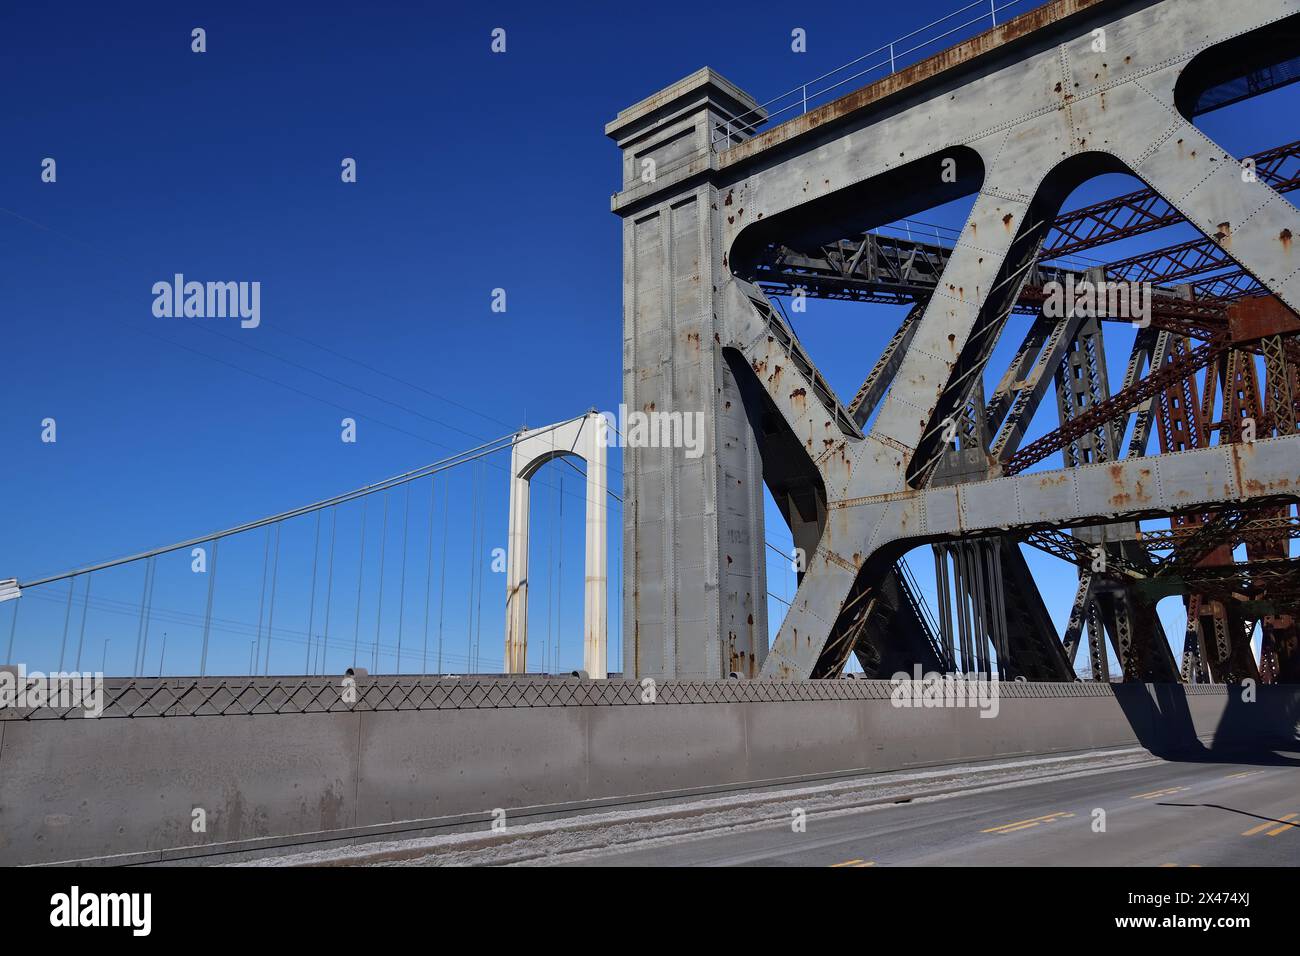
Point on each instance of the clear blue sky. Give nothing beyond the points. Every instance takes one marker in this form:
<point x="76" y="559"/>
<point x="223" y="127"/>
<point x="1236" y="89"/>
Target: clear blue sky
<point x="475" y="171"/>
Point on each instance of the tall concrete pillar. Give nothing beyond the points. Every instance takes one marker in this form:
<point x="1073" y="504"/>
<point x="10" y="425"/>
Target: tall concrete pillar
<point x="595" y="602"/>
<point x="694" y="590"/>
<point x="517" y="571"/>
<point x="586" y="438"/>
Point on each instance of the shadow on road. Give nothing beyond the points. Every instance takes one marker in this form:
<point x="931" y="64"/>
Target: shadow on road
<point x="1244" y="813"/>
<point x="1249" y="731"/>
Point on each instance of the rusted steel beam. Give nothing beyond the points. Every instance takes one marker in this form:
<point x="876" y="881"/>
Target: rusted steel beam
<point x="1172" y="263"/>
<point x="1119" y="403"/>
<point x="1259" y="317"/>
<point x="1178" y="411"/>
<point x="1265" y="528"/>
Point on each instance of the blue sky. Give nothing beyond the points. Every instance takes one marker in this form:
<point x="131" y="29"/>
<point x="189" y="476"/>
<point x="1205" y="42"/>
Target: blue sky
<point x="475" y="172"/>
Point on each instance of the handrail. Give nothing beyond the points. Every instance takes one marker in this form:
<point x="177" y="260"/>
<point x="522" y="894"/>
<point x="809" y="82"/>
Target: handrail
<point x="890" y="56"/>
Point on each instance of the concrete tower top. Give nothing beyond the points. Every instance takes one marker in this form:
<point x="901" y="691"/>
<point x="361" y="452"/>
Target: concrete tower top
<point x="674" y="135"/>
<point x="703" y="87"/>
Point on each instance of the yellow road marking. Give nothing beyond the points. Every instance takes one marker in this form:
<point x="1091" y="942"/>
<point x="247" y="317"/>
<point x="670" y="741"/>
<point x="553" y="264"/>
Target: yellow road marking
<point x="848" y="862"/>
<point x="1018" y="824"/>
<point x="1264" y="826"/>
<point x="1244" y="773"/>
<point x="1285" y="826"/>
<point x="1168" y="791"/>
<point x="1026" y="824"/>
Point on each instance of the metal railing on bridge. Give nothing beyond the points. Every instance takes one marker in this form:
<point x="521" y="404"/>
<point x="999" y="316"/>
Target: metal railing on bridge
<point x="883" y="61"/>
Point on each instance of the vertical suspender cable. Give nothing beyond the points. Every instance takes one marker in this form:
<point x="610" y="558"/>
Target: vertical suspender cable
<point x="311" y="604"/>
<point x="361" y="568"/>
<point x="13" y="626"/>
<point x="275" y="576"/>
<point x="428" y="578"/>
<point x="67" y="616"/>
<point x="261" y="602"/>
<point x="136" y="665"/>
<point x="148" y="611"/>
<point x="473" y="571"/>
<point x="207" y="614"/>
<point x="478" y="625"/>
<point x="401" y="589"/>
<point x="329" y="593"/>
<point x="442" y="571"/>
<point x="84" y="611"/>
<point x="379" y="612"/>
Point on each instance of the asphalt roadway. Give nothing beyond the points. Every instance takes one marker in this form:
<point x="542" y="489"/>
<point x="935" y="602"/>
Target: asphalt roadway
<point x="1239" y="812"/>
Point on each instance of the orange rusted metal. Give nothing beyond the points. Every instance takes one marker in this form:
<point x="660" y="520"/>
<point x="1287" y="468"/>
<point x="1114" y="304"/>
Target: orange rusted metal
<point x="1258" y="317"/>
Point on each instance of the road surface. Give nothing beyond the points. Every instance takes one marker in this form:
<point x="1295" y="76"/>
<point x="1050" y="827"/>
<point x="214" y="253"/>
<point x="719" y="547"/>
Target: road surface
<point x="1119" y="807"/>
<point x="1170" y="814"/>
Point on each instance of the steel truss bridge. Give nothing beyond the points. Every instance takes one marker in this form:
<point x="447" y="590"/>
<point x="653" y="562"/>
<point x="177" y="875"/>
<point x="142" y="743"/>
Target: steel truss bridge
<point x="932" y="447"/>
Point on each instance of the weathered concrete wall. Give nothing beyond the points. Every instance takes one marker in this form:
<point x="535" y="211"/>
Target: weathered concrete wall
<point x="75" y="789"/>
